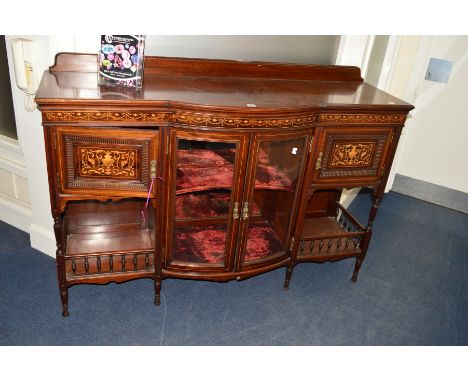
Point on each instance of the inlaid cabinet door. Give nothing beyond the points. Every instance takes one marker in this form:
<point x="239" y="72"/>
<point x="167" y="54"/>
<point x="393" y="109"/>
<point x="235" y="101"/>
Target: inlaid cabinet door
<point x="273" y="182"/>
<point x="345" y="155"/>
<point x="105" y="161"/>
<point x="204" y="188"/>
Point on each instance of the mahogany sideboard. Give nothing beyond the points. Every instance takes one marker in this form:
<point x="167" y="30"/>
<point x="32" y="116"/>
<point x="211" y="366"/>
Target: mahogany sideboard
<point x="214" y="170"/>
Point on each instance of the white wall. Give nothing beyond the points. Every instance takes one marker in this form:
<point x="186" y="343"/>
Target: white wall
<point x="436" y="140"/>
<point x="376" y="59"/>
<point x="403" y="71"/>
<point x="14" y="198"/>
<point x="31" y="153"/>
<point x="296" y="49"/>
<point x="353" y="50"/>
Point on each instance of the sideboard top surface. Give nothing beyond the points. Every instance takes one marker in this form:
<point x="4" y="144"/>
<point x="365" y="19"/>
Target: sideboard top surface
<point x="216" y="84"/>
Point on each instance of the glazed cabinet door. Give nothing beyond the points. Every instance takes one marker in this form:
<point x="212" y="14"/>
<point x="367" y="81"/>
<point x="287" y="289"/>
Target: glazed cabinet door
<point x="204" y="194"/>
<point x="345" y="155"/>
<point x="105" y="161"/>
<point x="274" y="172"/>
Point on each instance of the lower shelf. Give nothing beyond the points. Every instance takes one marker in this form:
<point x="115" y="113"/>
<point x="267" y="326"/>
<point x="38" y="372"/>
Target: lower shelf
<point x="262" y="242"/>
<point x="105" y="238"/>
<point x="108" y="242"/>
<point x="331" y="237"/>
<point x="207" y="245"/>
<point x="200" y="245"/>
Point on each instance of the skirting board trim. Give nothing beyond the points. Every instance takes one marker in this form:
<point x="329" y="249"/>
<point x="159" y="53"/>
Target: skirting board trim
<point x="14" y="213"/>
<point x="42" y="239"/>
<point x="20" y="216"/>
<point x="429" y="192"/>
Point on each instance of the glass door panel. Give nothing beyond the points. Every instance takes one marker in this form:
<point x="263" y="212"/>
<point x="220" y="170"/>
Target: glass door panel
<point x="277" y="168"/>
<point x="204" y="195"/>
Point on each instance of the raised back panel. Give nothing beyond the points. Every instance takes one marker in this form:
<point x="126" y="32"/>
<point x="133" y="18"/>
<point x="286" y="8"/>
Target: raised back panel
<point x="80" y="62"/>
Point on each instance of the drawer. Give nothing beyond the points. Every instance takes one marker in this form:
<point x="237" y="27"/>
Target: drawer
<point x="105" y="161"/>
<point x="345" y="155"/>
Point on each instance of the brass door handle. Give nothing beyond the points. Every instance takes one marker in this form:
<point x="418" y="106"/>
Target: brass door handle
<point x="235" y="214"/>
<point x="245" y="211"/>
<point x="153" y="169"/>
<point x="319" y="161"/>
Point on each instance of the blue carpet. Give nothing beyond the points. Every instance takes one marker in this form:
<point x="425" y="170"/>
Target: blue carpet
<point x="412" y="290"/>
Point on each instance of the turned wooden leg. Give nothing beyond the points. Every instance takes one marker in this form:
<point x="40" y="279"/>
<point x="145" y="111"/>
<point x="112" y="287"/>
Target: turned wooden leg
<point x="364" y="245"/>
<point x="357" y="267"/>
<point x="64" y="297"/>
<point x="62" y="283"/>
<point x="289" y="270"/>
<point x="60" y="262"/>
<point x="157" y="292"/>
<point x="366" y="239"/>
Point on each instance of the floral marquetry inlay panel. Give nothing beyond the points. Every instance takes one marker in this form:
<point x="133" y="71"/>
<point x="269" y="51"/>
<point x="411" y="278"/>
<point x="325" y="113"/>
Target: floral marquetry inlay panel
<point x="107" y="162"/>
<point x="352" y="154"/>
<point x="360" y="154"/>
<point x="93" y="159"/>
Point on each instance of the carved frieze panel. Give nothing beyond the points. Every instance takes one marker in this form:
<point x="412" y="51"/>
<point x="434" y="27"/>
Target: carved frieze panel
<point x="361" y="118"/>
<point x="194" y="119"/>
<point x="97" y="116"/>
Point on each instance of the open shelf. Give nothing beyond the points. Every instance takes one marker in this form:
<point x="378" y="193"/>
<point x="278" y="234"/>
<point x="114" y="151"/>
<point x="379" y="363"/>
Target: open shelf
<point x="108" y="242"/>
<point x="207" y="245"/>
<point x="262" y="242"/>
<point x="331" y="236"/>
<point x="107" y="237"/>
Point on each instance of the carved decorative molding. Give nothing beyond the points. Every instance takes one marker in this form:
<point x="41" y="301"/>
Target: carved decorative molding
<point x="182" y="118"/>
<point x="352" y="154"/>
<point x="107" y="162"/>
<point x="210" y="120"/>
<point x="76" y="116"/>
<point x="362" y="118"/>
<point x="201" y="120"/>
